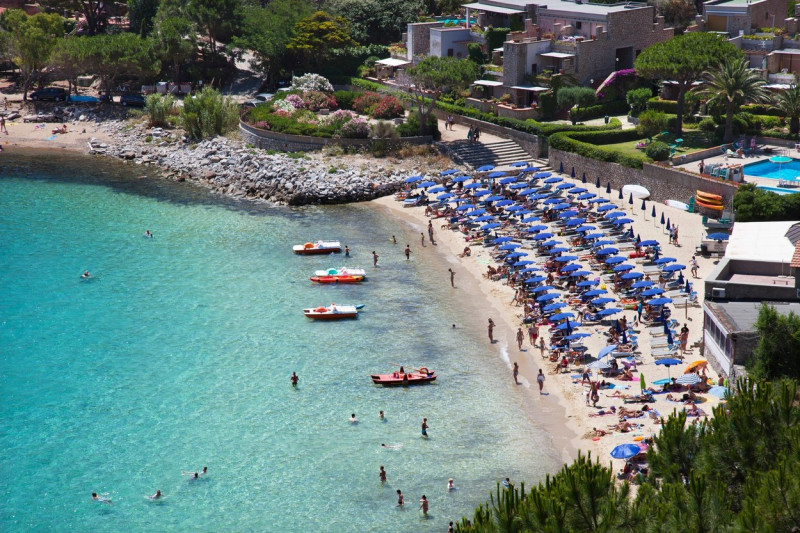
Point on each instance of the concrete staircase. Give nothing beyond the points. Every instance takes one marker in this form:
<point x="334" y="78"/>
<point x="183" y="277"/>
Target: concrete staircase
<point x="478" y="154"/>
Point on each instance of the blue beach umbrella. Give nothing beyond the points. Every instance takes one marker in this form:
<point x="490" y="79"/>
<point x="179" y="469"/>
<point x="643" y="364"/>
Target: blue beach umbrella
<point x="562" y="316"/>
<point x="465" y="207"/>
<point x="547" y="297"/>
<point x="583" y="178"/>
<point x="614" y="214"/>
<point x="559" y="207"/>
<point x="620" y="195"/>
<point x="605" y="351"/>
<point x="472" y="185"/>
<point x="438" y="188"/>
<point x="579" y="273"/>
<point x="565" y="258"/>
<point x="485" y="168"/>
<point x="492" y="225"/>
<point x="484" y="218"/>
<point x="586" y="196"/>
<point x="514" y="255"/>
<point x="495" y="198"/>
<point x="606" y="207"/>
<point x="564" y="186"/>
<point x="625" y="451"/>
<point x="668" y="224"/>
<point x="554" y="179"/>
<point x="476" y="212"/>
<point x="664" y="260"/>
<point x="607" y="251"/>
<point x="653" y="212"/>
<point x="535" y="279"/>
<point x="576" y="336"/>
<point x="554" y="307"/>
<point x="630" y="199"/>
<point x="459" y="179"/>
<point x="595" y="292"/>
<point x="593" y="236"/>
<point x="538" y="227"/>
<point x="673" y="268"/>
<point x="602" y="300"/>
<point x="510" y="246"/>
<point x="622" y="268"/>
<point x="542" y="236"/>
<point x="551" y="242"/>
<point x="597" y="182"/>
<point x="570" y="268"/>
<point x="623" y="220"/>
<point x="505" y="181"/>
<point x="662" y="219"/>
<point x="718" y="236"/>
<point x="649" y="242"/>
<point x="614" y="260"/>
<point x="655" y="291"/>
<point x="529" y="169"/>
<point x="609" y="312"/>
<point x="531" y="219"/>
<point x="642" y="284"/>
<point x="482" y="192"/>
<point x="528" y="270"/>
<point x="558" y="250"/>
<point x="514" y="208"/>
<point x="503" y="203"/>
<point x="608" y="188"/>
<point x="588" y="283"/>
<point x="572" y="173"/>
<point x="568" y="325"/>
<point x="584" y="228"/>
<point x="523" y="263"/>
<point x="448" y="172"/>
<point x="414" y="179"/>
<point x="567" y="214"/>
<point x="542" y="288"/>
<point x="445" y="196"/>
<point x="660" y="301"/>
<point x="602" y="242"/>
<point x="526" y="192"/>
<point x="518" y="186"/>
<point x="632" y="275"/>
<point x="501" y="240"/>
<point x="518" y="164"/>
<point x="719" y="391"/>
<point x="426" y="184"/>
<point x="575" y="222"/>
<point x="561" y="167"/>
<point x="540" y="175"/>
<point x="498" y="174"/>
<point x="644" y="206"/>
<point x="552" y="201"/>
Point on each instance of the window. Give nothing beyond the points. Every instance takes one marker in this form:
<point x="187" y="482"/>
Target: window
<point x="577" y="24"/>
<point x="449" y="52"/>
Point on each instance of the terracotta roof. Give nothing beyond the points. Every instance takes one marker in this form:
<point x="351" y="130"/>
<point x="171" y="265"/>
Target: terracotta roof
<point x="796" y="256"/>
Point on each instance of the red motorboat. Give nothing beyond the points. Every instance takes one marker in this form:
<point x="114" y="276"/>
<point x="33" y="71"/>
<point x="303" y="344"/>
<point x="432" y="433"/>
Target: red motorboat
<point x="399" y="379"/>
<point x="337" y="279"/>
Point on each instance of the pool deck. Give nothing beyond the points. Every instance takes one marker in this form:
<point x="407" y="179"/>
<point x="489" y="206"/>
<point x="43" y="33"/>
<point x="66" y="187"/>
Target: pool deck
<point x="760" y="155"/>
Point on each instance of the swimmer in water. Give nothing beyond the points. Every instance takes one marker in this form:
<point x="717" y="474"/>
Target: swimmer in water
<point x="450" y="484"/>
<point x="380" y="415"/>
<point x="392" y="446"/>
<point x="156" y="496"/>
<point x="148" y="234"/>
<point x="101" y="498"/>
<point x="85" y="274"/>
<point x="294" y="379"/>
<point x="353" y="419"/>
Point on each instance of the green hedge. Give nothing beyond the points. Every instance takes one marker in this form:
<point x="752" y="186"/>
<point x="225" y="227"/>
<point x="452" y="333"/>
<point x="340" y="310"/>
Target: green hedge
<point x="665" y="106"/>
<point x="760" y="109"/>
<point x="617" y="107"/>
<point x="589" y="144"/>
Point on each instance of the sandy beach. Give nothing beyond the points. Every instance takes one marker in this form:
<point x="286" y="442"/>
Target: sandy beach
<point x="563" y="410"/>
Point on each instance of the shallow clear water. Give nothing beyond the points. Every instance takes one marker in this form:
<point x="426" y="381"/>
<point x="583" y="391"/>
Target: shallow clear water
<point x="177" y="354"/>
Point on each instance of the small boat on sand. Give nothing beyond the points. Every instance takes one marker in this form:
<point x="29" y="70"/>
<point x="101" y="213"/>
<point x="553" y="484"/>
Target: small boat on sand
<point x="332" y="312"/>
<point x="343" y="271"/>
<point x="398" y="379"/>
<point x="319" y="247"/>
<point x="337" y="279"/>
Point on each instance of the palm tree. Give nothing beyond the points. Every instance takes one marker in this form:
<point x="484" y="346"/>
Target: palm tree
<point x="788" y="103"/>
<point x="731" y="84"/>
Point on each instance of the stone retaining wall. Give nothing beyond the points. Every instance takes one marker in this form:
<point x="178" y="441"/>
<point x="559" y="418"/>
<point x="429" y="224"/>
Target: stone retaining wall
<point x="664" y="183"/>
<point x="270" y="140"/>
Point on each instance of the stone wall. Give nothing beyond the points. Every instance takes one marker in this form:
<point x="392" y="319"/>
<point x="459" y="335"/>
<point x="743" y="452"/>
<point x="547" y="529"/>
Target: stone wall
<point x="419" y="38"/>
<point x="270" y="140"/>
<point x="664" y="183"/>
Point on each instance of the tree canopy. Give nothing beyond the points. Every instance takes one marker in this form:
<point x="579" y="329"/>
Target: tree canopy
<point x="93" y="11"/>
<point x="752" y="204"/>
<point x="30" y="42"/>
<point x="683" y="59"/>
<point x="376" y="21"/>
<point x="778" y="351"/>
<point x="788" y="103"/>
<point x="434" y="75"/>
<point x="316" y="35"/>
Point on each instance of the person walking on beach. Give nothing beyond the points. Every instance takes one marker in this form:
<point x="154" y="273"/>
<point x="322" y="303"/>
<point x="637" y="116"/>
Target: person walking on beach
<point x="430" y="232"/>
<point x="382" y="475"/>
<point x="470" y="134"/>
<point x="675" y="234"/>
<point x="684" y="338"/>
<point x="425" y="427"/>
<point x="695" y="266"/>
<point x="3" y="125"/>
<point x="516" y="373"/>
<point x="540" y="380"/>
<point x="452" y="277"/>
<point x="476" y="135"/>
<point x="374" y="258"/>
<point x="533" y="333"/>
<point x="400" y="500"/>
<point x="520" y="337"/>
<point x="422" y="238"/>
<point x="408" y="252"/>
<point x="491" y="331"/>
<point x="541" y="347"/>
<point x="423" y="505"/>
<point x="294" y="379"/>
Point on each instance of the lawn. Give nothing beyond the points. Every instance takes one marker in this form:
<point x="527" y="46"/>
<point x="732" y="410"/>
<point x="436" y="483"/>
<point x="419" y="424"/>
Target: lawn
<point x="693" y="140"/>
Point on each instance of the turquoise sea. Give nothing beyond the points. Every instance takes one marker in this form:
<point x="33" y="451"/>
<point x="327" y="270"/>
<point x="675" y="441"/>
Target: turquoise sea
<point x="176" y="354"/>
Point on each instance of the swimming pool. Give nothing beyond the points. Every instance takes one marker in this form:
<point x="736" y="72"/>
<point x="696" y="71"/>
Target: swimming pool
<point x="774" y="171"/>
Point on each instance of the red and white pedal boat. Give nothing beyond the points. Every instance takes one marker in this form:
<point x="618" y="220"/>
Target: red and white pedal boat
<point x="399" y="379"/>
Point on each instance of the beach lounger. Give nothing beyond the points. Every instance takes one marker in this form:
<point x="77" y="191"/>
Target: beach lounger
<point x="663" y="353"/>
<point x="639" y="398"/>
<point x="662" y="343"/>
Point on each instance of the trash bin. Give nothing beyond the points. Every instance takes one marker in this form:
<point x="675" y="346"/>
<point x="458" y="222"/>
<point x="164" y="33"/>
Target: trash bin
<point x="606" y="118"/>
<point x="703" y="249"/>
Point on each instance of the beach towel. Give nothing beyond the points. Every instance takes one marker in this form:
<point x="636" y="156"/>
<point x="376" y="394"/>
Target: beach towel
<point x="51" y="138"/>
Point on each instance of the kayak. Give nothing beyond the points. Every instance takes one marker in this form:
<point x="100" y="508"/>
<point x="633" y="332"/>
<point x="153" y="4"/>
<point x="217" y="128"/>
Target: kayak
<point x="337" y="279"/>
<point x="408" y="378"/>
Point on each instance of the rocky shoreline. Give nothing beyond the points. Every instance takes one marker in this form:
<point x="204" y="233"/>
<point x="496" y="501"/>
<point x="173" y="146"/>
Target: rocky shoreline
<point x="229" y="167"/>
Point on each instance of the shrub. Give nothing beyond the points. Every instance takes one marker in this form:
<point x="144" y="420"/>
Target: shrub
<point x="344" y="99"/>
<point x="651" y="123"/>
<point x="708" y="126"/>
<point x="388" y="107"/>
<point x="410" y="128"/>
<point x="384" y="130"/>
<point x="316" y="100"/>
<point x="285" y="105"/>
<point x="475" y="53"/>
<point x="597" y="111"/>
<point x="158" y="107"/>
<point x="338" y="118"/>
<point x="357" y="128"/>
<point x="296" y="101"/>
<point x="657" y="151"/>
<point x="209" y="113"/>
<point x="585" y="143"/>
<point x="366" y="102"/>
<point x="760" y="109"/>
<point x="311" y="82"/>
<point x="637" y="99"/>
<point x="665" y="106"/>
<point x="495" y="37"/>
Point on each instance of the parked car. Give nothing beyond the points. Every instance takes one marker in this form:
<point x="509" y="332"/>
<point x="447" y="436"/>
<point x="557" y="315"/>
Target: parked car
<point x="258" y="99"/>
<point x="132" y="99"/>
<point x="55" y="94"/>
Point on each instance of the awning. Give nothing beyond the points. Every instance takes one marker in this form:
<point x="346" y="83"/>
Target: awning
<point x="778" y="86"/>
<point x="787" y="51"/>
<point x="531" y="89"/>
<point x="498" y="49"/>
<point x="493" y="9"/>
<point x="488" y="83"/>
<point x="556" y="55"/>
<point x="392" y="62"/>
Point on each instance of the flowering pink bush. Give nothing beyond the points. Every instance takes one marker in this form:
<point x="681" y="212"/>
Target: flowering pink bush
<point x="388" y="107"/>
<point x="364" y="103"/>
<point x="357" y="128"/>
<point x="316" y="100"/>
<point x="297" y="101"/>
<point x="283" y="105"/>
<point x="337" y="118"/>
<point x="262" y="125"/>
